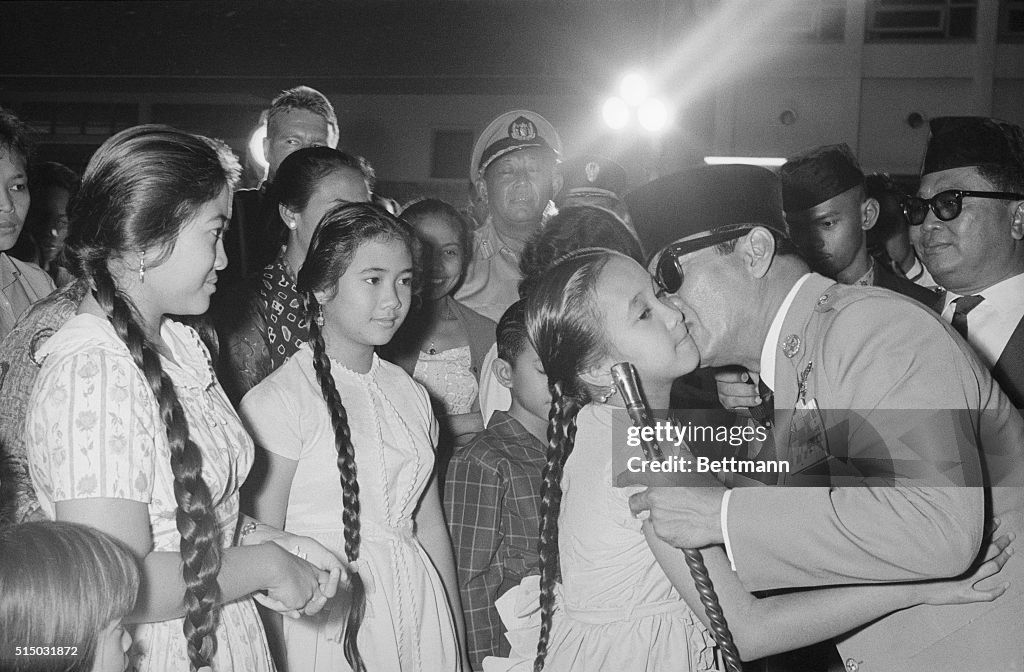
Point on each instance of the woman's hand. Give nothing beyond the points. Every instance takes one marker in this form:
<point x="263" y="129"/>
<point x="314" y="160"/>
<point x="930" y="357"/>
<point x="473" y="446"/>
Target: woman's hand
<point x="965" y="590"/>
<point x="299" y="586"/>
<point x="316" y="553"/>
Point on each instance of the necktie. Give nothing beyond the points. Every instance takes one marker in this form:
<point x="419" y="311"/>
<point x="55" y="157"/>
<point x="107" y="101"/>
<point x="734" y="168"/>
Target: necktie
<point x="764" y="412"/>
<point x="962" y="306"/>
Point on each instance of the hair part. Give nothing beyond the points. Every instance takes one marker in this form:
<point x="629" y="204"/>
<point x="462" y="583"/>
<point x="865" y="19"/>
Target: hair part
<point x="343" y="229"/>
<point x="301" y="173"/>
<point x="140" y="188"/>
<point x="562" y="321"/>
<point x="62" y="584"/>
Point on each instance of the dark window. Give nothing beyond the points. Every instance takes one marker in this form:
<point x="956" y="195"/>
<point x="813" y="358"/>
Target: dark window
<point x="921" y="20"/>
<point x="77" y="119"/>
<point x="450" y="155"/>
<point x="1011" y="21"/>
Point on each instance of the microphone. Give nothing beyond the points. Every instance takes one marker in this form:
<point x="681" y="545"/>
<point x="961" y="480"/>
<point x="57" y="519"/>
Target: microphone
<point x="627" y="382"/>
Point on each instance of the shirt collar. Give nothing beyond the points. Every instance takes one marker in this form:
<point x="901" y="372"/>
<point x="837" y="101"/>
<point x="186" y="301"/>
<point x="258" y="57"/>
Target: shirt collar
<point x="868" y="279"/>
<point x="768" y="349"/>
<point x="504" y="425"/>
<point x="1006" y="292"/>
<point x="490" y="242"/>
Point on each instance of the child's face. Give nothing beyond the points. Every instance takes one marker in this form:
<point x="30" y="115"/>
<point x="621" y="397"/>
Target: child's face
<point x="640" y="327"/>
<point x="112" y="646"/>
<point x="372" y="297"/>
<point x="444" y="254"/>
<point x="529" y="383"/>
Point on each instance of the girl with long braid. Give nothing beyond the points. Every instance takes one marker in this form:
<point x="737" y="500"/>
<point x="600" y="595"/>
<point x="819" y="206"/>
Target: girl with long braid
<point x="128" y="430"/>
<point x="349" y="440"/>
<point x="611" y="595"/>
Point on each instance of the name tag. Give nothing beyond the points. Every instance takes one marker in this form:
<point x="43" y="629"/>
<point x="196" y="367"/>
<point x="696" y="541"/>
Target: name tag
<point x="808" y="443"/>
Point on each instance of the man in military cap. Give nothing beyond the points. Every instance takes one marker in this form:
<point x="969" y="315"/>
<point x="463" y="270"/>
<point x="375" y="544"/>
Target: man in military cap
<point x="967" y="226"/>
<point x="513" y="168"/>
<point x="819" y="348"/>
<point x="829" y="215"/>
<point x="594" y="180"/>
<point x="297" y="118"/>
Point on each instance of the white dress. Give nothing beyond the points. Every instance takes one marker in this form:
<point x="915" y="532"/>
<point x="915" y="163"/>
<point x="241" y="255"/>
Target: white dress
<point x="93" y="429"/>
<point x="408" y="624"/>
<point x="615" y="609"/>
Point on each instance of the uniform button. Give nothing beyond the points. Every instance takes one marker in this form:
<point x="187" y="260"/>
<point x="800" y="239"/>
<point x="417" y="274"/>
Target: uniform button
<point x="823" y="299"/>
<point x="852" y="665"/>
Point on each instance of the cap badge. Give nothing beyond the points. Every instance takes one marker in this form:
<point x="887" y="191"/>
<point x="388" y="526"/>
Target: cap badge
<point x="592" y="169"/>
<point x="791" y="346"/>
<point x="522" y="129"/>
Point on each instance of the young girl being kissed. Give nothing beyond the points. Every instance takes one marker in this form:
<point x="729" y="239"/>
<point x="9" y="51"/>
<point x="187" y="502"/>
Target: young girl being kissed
<point x="612" y="596"/>
<point x="349" y="440"/>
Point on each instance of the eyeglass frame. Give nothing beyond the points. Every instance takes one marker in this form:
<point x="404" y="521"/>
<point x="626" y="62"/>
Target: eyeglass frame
<point x="958" y="195"/>
<point x="679" y="249"/>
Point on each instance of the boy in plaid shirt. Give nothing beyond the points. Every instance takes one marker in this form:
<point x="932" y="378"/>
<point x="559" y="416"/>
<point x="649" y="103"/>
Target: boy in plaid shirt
<point x="492" y="491"/>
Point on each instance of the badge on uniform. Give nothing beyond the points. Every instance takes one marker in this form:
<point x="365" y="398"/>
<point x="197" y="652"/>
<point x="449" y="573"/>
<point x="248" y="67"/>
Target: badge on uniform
<point x="808" y="442"/>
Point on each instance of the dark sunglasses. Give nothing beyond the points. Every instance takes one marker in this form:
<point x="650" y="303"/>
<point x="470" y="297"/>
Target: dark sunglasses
<point x="669" y="272"/>
<point x="947" y="204"/>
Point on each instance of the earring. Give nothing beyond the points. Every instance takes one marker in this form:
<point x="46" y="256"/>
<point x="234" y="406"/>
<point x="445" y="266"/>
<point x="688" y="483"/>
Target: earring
<point x="142" y="266"/>
<point x="319" y="317"/>
<point x="290" y="223"/>
<point x="607" y="395"/>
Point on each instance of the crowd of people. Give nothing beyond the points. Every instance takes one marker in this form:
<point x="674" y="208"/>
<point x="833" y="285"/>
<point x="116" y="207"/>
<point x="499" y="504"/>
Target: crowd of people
<point x="303" y="427"/>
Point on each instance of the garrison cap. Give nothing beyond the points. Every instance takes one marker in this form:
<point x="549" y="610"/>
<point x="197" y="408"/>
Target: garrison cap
<point x="817" y="175"/>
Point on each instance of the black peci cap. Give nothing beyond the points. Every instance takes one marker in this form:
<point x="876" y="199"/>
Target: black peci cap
<point x="703" y="199"/>
<point x="958" y="142"/>
<point x="817" y="175"/>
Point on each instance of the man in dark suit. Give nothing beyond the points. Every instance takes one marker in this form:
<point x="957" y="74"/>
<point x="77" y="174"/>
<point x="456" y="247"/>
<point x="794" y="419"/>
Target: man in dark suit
<point x="829" y="214"/>
<point x="297" y="118"/>
<point x="876" y="400"/>
<point x="967" y="226"/>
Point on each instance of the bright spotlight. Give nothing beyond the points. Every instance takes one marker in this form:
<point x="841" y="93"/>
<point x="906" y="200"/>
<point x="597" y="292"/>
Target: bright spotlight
<point x="256" y="146"/>
<point x="616" y="113"/>
<point x="653" y="115"/>
<point x="634" y="88"/>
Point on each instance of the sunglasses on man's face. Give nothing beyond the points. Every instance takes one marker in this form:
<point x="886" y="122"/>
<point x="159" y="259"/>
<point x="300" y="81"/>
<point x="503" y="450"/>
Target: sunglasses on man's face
<point x="669" y="271"/>
<point x="947" y="205"/>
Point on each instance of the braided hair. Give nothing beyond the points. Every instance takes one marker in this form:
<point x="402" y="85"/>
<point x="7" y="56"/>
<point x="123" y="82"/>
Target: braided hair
<point x="561" y="321"/>
<point x="334" y="244"/>
<point x="142" y="185"/>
